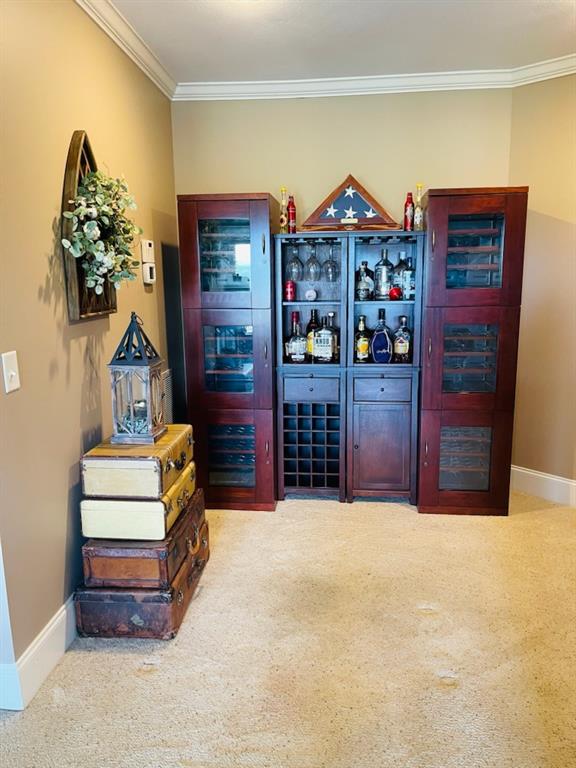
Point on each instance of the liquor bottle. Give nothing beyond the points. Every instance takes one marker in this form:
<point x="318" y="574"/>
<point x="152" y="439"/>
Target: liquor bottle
<point x="409" y="213"/>
<point x="311" y="328"/>
<point x="398" y="274"/>
<point x="364" y="283"/>
<point x="362" y="342"/>
<point x="383" y="272"/>
<point x="381" y="347"/>
<point x="418" y="210"/>
<point x="323" y="343"/>
<point x="336" y="332"/>
<point x="283" y="212"/>
<point x="409" y="284"/>
<point x="296" y="344"/>
<point x="402" y="342"/>
<point x="291" y="215"/>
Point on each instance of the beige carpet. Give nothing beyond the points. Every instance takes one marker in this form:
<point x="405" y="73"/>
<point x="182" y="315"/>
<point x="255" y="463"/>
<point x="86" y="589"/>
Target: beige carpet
<point x="337" y="636"/>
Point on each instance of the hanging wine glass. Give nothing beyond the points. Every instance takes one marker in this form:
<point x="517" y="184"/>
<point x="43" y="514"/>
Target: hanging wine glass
<point x="330" y="269"/>
<point x="294" y="267"/>
<point x="312" y="268"/>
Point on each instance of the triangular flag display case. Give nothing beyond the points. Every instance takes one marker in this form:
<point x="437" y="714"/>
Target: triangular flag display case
<point x="83" y="303"/>
<point x="349" y="207"/>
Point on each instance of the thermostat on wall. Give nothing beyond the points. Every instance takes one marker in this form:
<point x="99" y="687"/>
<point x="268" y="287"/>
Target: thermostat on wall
<point x="148" y="261"/>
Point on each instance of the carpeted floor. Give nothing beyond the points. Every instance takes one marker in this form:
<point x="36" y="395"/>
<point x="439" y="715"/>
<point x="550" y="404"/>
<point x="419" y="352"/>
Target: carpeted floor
<point x="337" y="636"/>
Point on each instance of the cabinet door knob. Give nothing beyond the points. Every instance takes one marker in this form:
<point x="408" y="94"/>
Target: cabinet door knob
<point x="381" y="389"/>
<point x="311" y="389"/>
<point x="356" y="447"/>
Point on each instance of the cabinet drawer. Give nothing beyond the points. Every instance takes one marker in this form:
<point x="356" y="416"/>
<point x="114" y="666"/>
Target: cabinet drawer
<point x="310" y="388"/>
<point x="383" y="390"/>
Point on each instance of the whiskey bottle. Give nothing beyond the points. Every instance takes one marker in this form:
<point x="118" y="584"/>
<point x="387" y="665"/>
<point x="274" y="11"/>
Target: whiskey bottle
<point x="296" y="344"/>
<point x="323" y="344"/>
<point x="402" y="342"/>
<point x="364" y="283"/>
<point x="362" y="342"/>
<point x="409" y="213"/>
<point x="409" y="281"/>
<point x="336" y="337"/>
<point x="398" y="274"/>
<point x="283" y="211"/>
<point x="311" y="328"/>
<point x="381" y="347"/>
<point x="418" y="210"/>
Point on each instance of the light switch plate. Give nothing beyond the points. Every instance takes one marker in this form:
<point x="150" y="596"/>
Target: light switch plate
<point x="11" y="372"/>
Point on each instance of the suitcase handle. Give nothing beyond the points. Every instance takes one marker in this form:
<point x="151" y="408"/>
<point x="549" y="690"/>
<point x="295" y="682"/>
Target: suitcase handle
<point x="193" y="545"/>
<point x="178" y="464"/>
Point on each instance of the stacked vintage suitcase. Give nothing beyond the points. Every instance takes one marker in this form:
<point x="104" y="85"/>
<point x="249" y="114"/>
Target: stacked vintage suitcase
<point x="148" y="537"/>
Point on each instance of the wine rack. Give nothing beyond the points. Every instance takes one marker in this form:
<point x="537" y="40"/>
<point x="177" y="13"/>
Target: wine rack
<point x="311" y="433"/>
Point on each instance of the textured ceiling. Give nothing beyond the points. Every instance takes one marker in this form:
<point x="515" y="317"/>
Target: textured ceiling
<point x="244" y="40"/>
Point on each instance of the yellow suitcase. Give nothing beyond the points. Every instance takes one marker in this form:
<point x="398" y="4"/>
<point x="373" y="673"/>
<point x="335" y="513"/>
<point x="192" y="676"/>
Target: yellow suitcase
<point x="137" y="471"/>
<point x="138" y="519"/>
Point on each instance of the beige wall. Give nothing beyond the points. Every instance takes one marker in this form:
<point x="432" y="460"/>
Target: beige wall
<point x="543" y="155"/>
<point x="60" y="72"/>
<point x="388" y="143"/>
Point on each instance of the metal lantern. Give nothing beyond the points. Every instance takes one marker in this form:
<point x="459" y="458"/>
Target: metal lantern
<point x="137" y="393"/>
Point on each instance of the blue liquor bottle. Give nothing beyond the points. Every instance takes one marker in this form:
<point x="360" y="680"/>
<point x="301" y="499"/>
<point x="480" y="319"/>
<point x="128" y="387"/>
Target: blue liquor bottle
<point x="381" y="346"/>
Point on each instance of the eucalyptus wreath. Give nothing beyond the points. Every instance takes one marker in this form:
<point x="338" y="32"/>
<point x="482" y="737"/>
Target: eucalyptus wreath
<point x="102" y="235"/>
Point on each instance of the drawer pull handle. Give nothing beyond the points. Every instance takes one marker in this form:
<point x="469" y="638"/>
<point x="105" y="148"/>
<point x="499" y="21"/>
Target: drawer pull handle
<point x="263" y="244"/>
<point x="381" y="389"/>
<point x="265" y="350"/>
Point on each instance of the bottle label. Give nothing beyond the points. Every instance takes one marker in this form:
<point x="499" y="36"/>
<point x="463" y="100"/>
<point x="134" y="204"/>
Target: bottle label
<point x="322" y="347"/>
<point x="310" y="343"/>
<point x="401" y="347"/>
<point x="418" y="218"/>
<point x="297" y="349"/>
<point x="362" y="347"/>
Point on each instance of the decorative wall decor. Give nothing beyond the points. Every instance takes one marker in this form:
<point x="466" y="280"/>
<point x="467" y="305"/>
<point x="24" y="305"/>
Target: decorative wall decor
<point x="349" y="206"/>
<point x="97" y="237"/>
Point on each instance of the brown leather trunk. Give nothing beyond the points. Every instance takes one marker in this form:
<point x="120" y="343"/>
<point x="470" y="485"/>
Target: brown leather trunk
<point x="149" y="613"/>
<point x="144" y="564"/>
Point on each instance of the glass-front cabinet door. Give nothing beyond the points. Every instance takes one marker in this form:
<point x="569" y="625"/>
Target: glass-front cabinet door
<point x="235" y="458"/>
<point x="230" y="354"/>
<point x="469" y="358"/>
<point x="227" y="247"/>
<point x="475" y="249"/>
<point x="465" y="461"/>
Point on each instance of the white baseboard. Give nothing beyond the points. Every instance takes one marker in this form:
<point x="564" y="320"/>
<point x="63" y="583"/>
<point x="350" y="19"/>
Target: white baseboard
<point x="20" y="681"/>
<point x="561" y="490"/>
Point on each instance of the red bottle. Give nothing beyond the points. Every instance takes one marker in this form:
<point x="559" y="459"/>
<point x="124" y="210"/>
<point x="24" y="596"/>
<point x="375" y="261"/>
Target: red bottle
<point x="409" y="213"/>
<point x="291" y="215"/>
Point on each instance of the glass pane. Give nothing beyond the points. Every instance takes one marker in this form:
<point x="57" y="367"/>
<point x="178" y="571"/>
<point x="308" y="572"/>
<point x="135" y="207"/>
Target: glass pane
<point x="469" y="363"/>
<point x="232" y="455"/>
<point x="465" y="458"/>
<point x="474" y="254"/>
<point x="228" y="358"/>
<point x="224" y="254"/>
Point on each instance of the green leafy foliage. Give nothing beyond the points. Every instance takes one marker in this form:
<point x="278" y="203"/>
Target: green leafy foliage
<point x="102" y="236"/>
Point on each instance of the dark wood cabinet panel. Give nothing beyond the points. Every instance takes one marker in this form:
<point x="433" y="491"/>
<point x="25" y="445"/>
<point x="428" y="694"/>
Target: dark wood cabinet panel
<point x="381" y="447"/>
<point x="234" y="453"/>
<point x="469" y="357"/>
<point x="465" y="461"/>
<point x="475" y="247"/>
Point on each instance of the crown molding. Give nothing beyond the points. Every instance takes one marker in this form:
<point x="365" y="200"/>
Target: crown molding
<point x="362" y="86"/>
<point x="125" y="36"/>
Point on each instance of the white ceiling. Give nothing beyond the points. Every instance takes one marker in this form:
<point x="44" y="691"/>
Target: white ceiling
<point x="256" y="40"/>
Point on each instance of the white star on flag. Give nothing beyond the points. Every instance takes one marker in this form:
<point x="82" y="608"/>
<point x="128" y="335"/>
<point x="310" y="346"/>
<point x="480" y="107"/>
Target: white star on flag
<point x="370" y="214"/>
<point x="350" y="214"/>
<point x="331" y="211"/>
<point x="349" y="192"/>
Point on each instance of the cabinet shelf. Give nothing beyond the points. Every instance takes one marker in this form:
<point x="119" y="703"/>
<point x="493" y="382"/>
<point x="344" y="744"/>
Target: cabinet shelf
<point x="473" y="249"/>
<point x="486" y="232"/>
<point x="468" y="267"/>
<point x="384" y="302"/>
